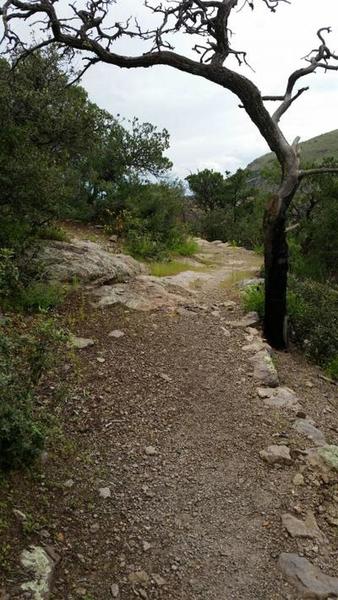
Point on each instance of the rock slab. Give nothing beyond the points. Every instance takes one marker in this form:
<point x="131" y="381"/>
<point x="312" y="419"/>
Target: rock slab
<point x="303" y="529"/>
<point x="85" y="262"/>
<point x="276" y="455"/>
<point x="41" y="564"/>
<point x="305" y="427"/>
<point x="308" y="579"/>
<point x="264" y="370"/>
<point x="280" y="397"/>
<point x="329" y="454"/>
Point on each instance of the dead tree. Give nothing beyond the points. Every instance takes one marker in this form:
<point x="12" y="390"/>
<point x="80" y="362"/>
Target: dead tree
<point x="94" y="31"/>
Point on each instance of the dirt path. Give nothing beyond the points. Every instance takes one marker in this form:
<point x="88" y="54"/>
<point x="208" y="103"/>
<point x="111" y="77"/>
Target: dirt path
<point x="162" y="493"/>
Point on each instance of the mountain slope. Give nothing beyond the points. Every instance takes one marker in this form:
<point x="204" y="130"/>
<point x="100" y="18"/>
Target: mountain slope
<point x="315" y="149"/>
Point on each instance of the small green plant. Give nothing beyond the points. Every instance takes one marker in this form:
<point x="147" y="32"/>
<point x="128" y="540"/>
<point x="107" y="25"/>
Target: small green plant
<point x="9" y="274"/>
<point x="172" y="267"/>
<point x="313" y="316"/>
<point x="332" y="368"/>
<point x="53" y="232"/>
<point x="253" y="299"/>
<point x="41" y="296"/>
<point x="23" y="360"/>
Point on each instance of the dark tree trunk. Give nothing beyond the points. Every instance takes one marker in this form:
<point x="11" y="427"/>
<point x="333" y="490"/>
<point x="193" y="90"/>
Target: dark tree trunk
<point x="276" y="271"/>
<point x="276" y="254"/>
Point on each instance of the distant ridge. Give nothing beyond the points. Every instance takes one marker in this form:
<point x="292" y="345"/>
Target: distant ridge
<point x="315" y="149"/>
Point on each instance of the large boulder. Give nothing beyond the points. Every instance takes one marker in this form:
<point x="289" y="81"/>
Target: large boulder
<point x="86" y="262"/>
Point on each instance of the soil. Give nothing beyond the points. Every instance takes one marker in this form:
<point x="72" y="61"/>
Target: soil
<point x="198" y="515"/>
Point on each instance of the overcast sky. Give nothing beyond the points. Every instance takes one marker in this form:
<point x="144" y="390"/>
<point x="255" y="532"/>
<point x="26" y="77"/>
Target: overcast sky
<point x="207" y="128"/>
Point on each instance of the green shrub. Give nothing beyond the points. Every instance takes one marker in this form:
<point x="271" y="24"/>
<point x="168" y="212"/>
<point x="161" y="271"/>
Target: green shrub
<point x="149" y="217"/>
<point x="9" y="274"/>
<point x="313" y="317"/>
<point x="332" y="368"/>
<point x="53" y="232"/>
<point x="23" y="360"/>
<point x="41" y="296"/>
<point x="253" y="299"/>
<point x="313" y="313"/>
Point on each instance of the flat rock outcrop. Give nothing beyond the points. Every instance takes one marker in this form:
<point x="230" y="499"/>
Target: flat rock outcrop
<point x="85" y="262"/>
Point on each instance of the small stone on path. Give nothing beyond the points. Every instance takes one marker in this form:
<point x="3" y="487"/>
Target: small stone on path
<point x="158" y="579"/>
<point x="117" y="333"/>
<point x="252" y="318"/>
<point x="165" y="377"/>
<point x="100" y="359"/>
<point x="150" y="451"/>
<point x="298" y="479"/>
<point x="276" y="455"/>
<point x="80" y="343"/>
<point x="115" y="590"/>
<point x="303" y="529"/>
<point x="105" y="492"/>
<point x="139" y="578"/>
<point x="225" y="331"/>
<point x="146" y="546"/>
<point x="309" y="580"/>
<point x="280" y="397"/>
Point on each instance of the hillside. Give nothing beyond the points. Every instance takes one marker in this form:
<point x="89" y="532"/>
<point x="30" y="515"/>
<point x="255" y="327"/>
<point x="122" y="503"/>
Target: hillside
<point x="317" y="148"/>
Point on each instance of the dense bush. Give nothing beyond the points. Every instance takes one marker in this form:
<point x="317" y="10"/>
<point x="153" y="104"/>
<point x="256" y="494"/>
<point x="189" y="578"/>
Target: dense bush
<point x="24" y="357"/>
<point x="149" y="218"/>
<point x="313" y="317"/>
<point x="313" y="312"/>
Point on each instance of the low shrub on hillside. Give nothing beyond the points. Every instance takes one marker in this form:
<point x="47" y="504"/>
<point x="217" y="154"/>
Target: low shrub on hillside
<point x="24" y="358"/>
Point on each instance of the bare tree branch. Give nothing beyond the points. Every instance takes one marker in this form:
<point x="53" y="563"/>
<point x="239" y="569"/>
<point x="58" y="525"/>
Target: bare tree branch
<point x="317" y="171"/>
<point x="315" y="58"/>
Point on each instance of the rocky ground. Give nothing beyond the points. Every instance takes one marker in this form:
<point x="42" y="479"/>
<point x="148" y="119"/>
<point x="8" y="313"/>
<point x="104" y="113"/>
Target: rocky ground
<point x="191" y="465"/>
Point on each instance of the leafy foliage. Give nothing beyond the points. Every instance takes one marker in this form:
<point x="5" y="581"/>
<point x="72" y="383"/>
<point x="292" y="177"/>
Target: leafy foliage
<point x="24" y="357"/>
<point x="149" y="217"/>
<point x="313" y="315"/>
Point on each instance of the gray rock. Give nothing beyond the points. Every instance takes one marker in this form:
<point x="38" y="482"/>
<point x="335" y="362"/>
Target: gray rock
<point x="280" y="397"/>
<point x="257" y="346"/>
<point x="69" y="483"/>
<point x="264" y="370"/>
<point x="225" y="331"/>
<point x="303" y="529"/>
<point x="150" y="451"/>
<point x="252" y="318"/>
<point x="329" y="454"/>
<point x="257" y="281"/>
<point x="146" y="546"/>
<point x="276" y="454"/>
<point x="20" y="516"/>
<point x="85" y="261"/>
<point x="298" y="479"/>
<point x="143" y="293"/>
<point x="80" y="343"/>
<point x="165" y="377"/>
<point x="41" y="564"/>
<point x="105" y="492"/>
<point x="305" y="427"/>
<point x="158" y="579"/>
<point x="115" y="590"/>
<point x="139" y="578"/>
<point x="308" y="579"/>
<point x="116" y="334"/>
